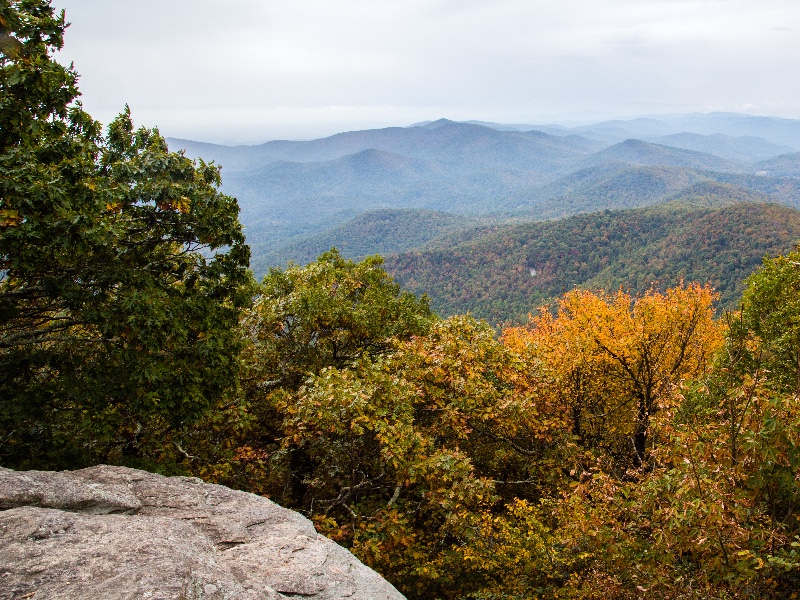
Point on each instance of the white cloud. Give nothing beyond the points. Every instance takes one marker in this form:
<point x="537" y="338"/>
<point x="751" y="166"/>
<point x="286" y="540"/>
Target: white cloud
<point x="244" y="66"/>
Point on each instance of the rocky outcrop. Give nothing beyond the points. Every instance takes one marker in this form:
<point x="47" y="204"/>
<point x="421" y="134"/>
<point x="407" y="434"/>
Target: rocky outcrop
<point x="113" y="533"/>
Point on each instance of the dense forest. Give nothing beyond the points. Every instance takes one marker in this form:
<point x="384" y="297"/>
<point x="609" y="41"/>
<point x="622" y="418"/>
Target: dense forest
<point x="618" y="445"/>
<point x="502" y="273"/>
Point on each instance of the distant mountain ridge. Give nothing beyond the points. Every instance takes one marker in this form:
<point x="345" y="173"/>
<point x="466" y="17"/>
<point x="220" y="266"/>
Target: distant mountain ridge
<point x="741" y="149"/>
<point x="774" y="130"/>
<point x="288" y="190"/>
<point x="435" y="139"/>
<point x="293" y="195"/>
<point x="645" y="153"/>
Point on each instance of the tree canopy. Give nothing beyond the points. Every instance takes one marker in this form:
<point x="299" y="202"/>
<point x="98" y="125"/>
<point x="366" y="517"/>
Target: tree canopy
<point x="122" y="269"/>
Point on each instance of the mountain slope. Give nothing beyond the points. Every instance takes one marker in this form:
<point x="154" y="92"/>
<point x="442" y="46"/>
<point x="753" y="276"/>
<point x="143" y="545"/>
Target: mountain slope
<point x="741" y="149"/>
<point x="644" y="153"/>
<point x="786" y="165"/>
<point x="376" y="232"/>
<point x="504" y="273"/>
<point x="611" y="186"/>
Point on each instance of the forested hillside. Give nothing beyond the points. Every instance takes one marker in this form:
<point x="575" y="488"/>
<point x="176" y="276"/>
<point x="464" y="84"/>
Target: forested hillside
<point x="502" y="273"/>
<point x="377" y="232"/>
<point x="612" y="186"/>
<point x="784" y="165"/>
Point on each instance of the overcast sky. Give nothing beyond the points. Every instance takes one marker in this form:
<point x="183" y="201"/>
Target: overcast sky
<point x="253" y="70"/>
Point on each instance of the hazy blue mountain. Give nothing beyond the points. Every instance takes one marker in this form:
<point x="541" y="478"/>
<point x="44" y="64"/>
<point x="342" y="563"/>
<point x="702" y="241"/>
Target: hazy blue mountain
<point x="607" y="186"/>
<point x="293" y="193"/>
<point x="467" y="145"/>
<point x="321" y="196"/>
<point x="645" y="153"/>
<point x="741" y="149"/>
<point x="619" y="186"/>
<point x="775" y="129"/>
<point x="551" y="129"/>
<point x="365" y="173"/>
<point x="786" y="165"/>
<point x="784" y="132"/>
<point x="288" y="190"/>
<point x="285" y="199"/>
<point x="377" y="232"/>
<point x="498" y="126"/>
<point x="618" y="130"/>
<point x="389" y="232"/>
<point x="443" y="140"/>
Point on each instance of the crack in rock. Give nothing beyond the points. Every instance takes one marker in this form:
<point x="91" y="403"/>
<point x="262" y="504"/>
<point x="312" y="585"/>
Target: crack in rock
<point x="113" y="533"/>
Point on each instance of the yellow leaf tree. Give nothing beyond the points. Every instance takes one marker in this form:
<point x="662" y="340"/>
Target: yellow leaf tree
<point x="614" y="360"/>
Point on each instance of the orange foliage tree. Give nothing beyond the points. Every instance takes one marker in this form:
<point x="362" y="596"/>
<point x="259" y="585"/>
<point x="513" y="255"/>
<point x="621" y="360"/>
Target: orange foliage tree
<point x="613" y="361"/>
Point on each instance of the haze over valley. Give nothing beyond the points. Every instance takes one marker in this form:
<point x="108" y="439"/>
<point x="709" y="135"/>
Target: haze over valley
<point x="447" y="187"/>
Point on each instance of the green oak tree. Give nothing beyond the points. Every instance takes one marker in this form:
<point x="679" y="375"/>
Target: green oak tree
<point x="123" y="271"/>
<point x="327" y="314"/>
<point x="331" y="313"/>
<point x="770" y="316"/>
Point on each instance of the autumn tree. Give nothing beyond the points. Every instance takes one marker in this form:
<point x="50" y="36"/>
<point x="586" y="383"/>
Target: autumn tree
<point x="122" y="271"/>
<point x="616" y="360"/>
<point x="770" y="317"/>
<point x="416" y="454"/>
<point x="403" y="436"/>
<point x="713" y="515"/>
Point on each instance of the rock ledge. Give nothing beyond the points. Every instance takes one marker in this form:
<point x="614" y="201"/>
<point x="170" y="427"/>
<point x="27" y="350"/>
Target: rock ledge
<point x="118" y="533"/>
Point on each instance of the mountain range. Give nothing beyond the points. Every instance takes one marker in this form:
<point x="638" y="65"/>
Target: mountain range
<point x="407" y="189"/>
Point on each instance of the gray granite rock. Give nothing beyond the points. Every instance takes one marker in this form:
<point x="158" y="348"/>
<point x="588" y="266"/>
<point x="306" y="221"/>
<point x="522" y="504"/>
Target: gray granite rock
<point x="116" y="533"/>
